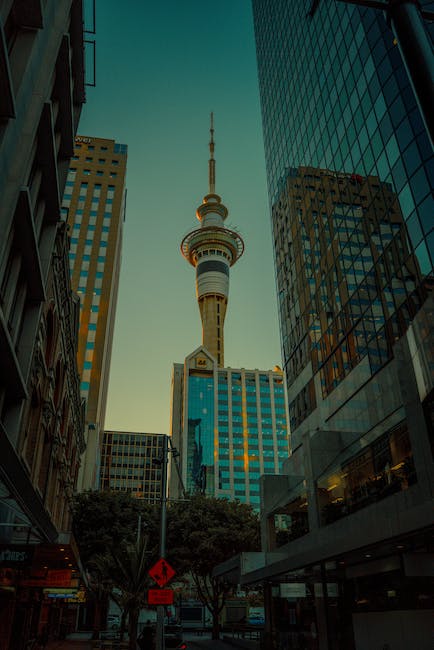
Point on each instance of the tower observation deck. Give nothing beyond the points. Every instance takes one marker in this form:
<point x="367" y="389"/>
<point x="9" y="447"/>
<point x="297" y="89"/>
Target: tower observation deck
<point x="212" y="249"/>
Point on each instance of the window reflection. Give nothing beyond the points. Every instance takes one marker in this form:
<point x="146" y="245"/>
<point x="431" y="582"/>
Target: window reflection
<point x="384" y="468"/>
<point x="200" y="434"/>
<point x="291" y="521"/>
<point x="349" y="281"/>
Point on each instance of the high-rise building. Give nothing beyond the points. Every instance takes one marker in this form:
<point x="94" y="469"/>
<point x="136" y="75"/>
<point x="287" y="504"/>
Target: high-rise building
<point x="131" y="462"/>
<point x="348" y="284"/>
<point x="212" y="249"/>
<point x="41" y="413"/>
<point x="229" y="426"/>
<point x="94" y="208"/>
<point x="350" y="174"/>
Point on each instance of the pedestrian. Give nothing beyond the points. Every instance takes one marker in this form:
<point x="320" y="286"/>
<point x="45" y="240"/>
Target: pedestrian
<point x="146" y="639"/>
<point x="43" y="637"/>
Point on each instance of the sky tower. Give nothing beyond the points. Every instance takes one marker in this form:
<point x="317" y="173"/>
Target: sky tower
<point x="212" y="249"/>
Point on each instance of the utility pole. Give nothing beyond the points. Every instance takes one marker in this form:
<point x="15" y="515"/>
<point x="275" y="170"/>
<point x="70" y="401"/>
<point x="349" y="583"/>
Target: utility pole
<point x="163" y="518"/>
<point x="406" y="19"/>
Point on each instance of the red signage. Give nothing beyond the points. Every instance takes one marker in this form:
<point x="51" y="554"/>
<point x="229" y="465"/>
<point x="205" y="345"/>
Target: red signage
<point x="161" y="572"/>
<point x="160" y="597"/>
<point x="49" y="578"/>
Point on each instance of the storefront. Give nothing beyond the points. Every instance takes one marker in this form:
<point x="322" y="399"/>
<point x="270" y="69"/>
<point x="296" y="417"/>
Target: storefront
<point x="40" y="588"/>
<point x="381" y="596"/>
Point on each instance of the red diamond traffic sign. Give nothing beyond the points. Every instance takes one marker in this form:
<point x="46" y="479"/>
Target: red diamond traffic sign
<point x="161" y="572"/>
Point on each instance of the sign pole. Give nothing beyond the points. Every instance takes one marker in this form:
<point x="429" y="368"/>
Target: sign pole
<point x="160" y="608"/>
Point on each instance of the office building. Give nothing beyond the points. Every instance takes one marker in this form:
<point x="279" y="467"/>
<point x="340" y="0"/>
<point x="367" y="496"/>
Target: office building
<point x="348" y="284"/>
<point x="229" y="425"/>
<point x="94" y="208"/>
<point x="41" y="414"/>
<point x="350" y="171"/>
<point x="131" y="462"/>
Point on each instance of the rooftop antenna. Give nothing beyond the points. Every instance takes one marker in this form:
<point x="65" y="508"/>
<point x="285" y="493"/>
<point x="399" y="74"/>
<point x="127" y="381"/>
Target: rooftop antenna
<point x="211" y="163"/>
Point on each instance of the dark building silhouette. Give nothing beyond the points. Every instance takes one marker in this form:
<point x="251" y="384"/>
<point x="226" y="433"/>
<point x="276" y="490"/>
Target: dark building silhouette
<point x="41" y="411"/>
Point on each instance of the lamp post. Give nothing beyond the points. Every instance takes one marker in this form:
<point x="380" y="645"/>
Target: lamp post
<point x="406" y="19"/>
<point x="162" y="462"/>
<point x="163" y="528"/>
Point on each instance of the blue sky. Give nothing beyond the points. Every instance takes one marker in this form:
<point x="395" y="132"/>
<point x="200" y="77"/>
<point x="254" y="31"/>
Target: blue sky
<point x="161" y="68"/>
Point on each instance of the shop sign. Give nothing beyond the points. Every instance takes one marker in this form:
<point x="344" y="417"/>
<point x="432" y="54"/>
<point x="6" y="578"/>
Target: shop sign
<point x="59" y="593"/>
<point x="80" y="597"/>
<point x="15" y="555"/>
<point x="51" y="578"/>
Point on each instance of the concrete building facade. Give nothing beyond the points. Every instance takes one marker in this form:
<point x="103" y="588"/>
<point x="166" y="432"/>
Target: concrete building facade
<point x="41" y="411"/>
<point x="93" y="206"/>
<point x="131" y="462"/>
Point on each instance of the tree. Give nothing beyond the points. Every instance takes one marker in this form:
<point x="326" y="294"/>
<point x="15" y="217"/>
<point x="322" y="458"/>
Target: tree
<point x="105" y="524"/>
<point x="106" y="519"/>
<point x="128" y="565"/>
<point x="204" y="532"/>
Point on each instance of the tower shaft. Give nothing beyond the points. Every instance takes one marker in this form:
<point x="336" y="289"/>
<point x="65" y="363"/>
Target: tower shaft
<point x="212" y="312"/>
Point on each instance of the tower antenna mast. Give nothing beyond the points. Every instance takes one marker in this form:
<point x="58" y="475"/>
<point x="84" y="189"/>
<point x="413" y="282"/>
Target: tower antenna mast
<point x="211" y="162"/>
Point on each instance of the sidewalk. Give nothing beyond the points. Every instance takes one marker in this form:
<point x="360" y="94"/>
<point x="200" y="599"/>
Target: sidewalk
<point x="226" y="642"/>
<point x="76" y="641"/>
<point x="82" y="641"/>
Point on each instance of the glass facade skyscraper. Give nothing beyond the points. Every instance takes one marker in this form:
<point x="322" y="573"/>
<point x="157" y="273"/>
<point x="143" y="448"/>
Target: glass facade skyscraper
<point x="230" y="426"/>
<point x="350" y="174"/>
<point x="335" y="95"/>
<point x="349" y="285"/>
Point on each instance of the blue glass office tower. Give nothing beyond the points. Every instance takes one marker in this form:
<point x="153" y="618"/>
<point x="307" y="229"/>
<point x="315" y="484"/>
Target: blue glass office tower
<point x="350" y="174"/>
<point x="230" y="427"/>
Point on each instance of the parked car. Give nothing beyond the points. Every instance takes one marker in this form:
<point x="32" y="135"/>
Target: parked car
<point x="255" y="619"/>
<point x="172" y="637"/>
<point x="113" y="621"/>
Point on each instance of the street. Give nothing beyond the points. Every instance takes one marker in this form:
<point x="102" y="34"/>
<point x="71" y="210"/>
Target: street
<point x="81" y="641"/>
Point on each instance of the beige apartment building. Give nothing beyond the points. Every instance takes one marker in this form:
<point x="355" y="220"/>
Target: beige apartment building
<point x="94" y="208"/>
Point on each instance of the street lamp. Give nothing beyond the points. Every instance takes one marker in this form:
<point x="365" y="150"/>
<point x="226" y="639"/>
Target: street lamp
<point x="406" y="18"/>
<point x="163" y="527"/>
<point x="162" y="461"/>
